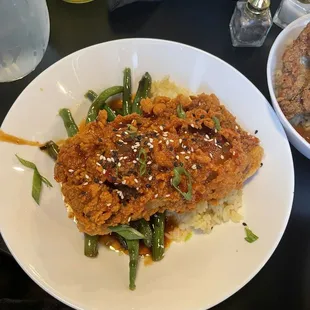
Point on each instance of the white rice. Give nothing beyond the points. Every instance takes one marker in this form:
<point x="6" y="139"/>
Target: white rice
<point x="205" y="216"/>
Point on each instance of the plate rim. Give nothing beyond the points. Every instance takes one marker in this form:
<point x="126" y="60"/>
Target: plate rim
<point x="71" y="303"/>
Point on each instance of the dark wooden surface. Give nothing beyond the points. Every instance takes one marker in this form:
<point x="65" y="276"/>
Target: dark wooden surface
<point x="285" y="280"/>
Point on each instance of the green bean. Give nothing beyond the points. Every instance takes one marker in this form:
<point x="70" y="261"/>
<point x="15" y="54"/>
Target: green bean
<point x="217" y="123"/>
<point x="122" y="241"/>
<point x="127" y="92"/>
<point x="158" y="240"/>
<point x="90" y="245"/>
<point x="99" y="102"/>
<point x="133" y="250"/>
<point x="110" y="112"/>
<point x="145" y="229"/>
<point x="142" y="92"/>
<point x="69" y="122"/>
<point x="51" y="148"/>
<point x="91" y="95"/>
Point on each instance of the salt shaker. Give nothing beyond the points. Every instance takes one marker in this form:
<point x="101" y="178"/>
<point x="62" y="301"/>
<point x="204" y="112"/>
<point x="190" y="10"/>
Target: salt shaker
<point x="250" y="23"/>
<point x="289" y="10"/>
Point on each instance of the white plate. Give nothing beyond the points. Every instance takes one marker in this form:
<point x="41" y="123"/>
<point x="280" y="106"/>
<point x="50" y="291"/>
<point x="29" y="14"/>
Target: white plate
<point x="194" y="275"/>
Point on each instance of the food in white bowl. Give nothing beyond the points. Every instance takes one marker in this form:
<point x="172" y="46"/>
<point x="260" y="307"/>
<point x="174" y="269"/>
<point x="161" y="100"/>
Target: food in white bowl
<point x="288" y="73"/>
<point x="209" y="267"/>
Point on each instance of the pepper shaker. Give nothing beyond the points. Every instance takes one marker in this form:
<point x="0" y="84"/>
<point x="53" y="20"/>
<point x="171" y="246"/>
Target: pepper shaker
<point x="250" y="23"/>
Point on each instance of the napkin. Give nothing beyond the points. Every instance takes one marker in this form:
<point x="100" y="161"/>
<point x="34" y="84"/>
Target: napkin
<point x="115" y="4"/>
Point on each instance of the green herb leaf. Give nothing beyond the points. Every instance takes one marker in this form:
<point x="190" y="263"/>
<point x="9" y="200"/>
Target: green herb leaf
<point x="26" y="163"/>
<point x="176" y="180"/>
<point x="36" y="186"/>
<point x="127" y="232"/>
<point x="217" y="123"/>
<point x="142" y="160"/>
<point x="37" y="179"/>
<point x="250" y="236"/>
<point x="181" y="113"/>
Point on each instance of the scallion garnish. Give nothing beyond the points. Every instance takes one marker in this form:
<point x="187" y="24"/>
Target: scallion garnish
<point x="250" y="236"/>
<point x="217" y="123"/>
<point x="176" y="180"/>
<point x="181" y="113"/>
<point x="127" y="232"/>
<point x="142" y="161"/>
<point x="36" y="180"/>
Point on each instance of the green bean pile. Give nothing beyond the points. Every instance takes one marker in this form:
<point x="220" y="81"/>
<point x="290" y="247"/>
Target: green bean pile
<point x="129" y="236"/>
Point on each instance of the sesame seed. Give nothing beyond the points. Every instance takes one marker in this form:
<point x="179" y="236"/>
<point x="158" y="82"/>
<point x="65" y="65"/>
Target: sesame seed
<point x="177" y="157"/>
<point x="86" y="176"/>
<point x="192" y="149"/>
<point x="161" y="127"/>
<point x="109" y="160"/>
<point x="165" y="134"/>
<point x="121" y="158"/>
<point x="136" y="180"/>
<point x="98" y="164"/>
<point x="137" y="188"/>
<point x="211" y="155"/>
<point x="182" y="152"/>
<point x="85" y="183"/>
<point x="70" y="170"/>
<point x="100" y="182"/>
<point x="215" y="130"/>
<point x="194" y="166"/>
<point x="112" y="159"/>
<point x="171" y="140"/>
<point x="180" y="141"/>
<point x="192" y="125"/>
<point x="205" y="139"/>
<point x="167" y="142"/>
<point x="108" y="204"/>
<point x="129" y="219"/>
<point x="188" y="152"/>
<point x="149" y="162"/>
<point x="222" y="157"/>
<point x="207" y="136"/>
<point x="218" y="146"/>
<point x="119" y="164"/>
<point x="186" y="157"/>
<point x="135" y="150"/>
<point x="124" y="182"/>
<point x="98" y="154"/>
<point x="168" y="195"/>
<point x="121" y="141"/>
<point x="156" y="195"/>
<point x="150" y="178"/>
<point x="215" y="141"/>
<point x="151" y="140"/>
<point x="233" y="152"/>
<point x="118" y="135"/>
<point x="125" y="157"/>
<point x="160" y="142"/>
<point x="104" y="171"/>
<point x="134" y="161"/>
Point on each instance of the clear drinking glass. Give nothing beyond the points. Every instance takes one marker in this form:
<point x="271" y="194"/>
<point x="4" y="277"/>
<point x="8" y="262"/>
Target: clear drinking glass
<point x="24" y="34"/>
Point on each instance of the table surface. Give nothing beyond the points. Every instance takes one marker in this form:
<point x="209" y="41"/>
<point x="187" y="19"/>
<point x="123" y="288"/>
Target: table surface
<point x="285" y="279"/>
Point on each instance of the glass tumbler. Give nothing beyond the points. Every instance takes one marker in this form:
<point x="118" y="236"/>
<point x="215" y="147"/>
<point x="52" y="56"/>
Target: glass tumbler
<point x="24" y="34"/>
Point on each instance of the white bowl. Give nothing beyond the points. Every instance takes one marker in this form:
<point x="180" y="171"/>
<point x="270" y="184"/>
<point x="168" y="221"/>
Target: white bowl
<point x="290" y="33"/>
<point x="194" y="275"/>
